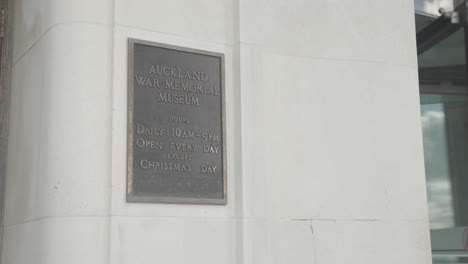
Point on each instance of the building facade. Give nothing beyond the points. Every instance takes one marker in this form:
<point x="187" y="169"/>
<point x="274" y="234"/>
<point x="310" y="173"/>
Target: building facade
<point x="325" y="160"/>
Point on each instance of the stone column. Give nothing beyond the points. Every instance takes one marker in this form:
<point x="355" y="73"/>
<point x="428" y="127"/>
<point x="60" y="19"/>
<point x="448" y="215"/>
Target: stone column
<point x="59" y="153"/>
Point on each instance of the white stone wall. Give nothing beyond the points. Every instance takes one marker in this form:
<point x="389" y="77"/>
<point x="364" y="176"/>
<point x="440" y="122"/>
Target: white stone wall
<point x="167" y="233"/>
<point x="59" y="153"/>
<point x="325" y="160"/>
<point x="332" y="165"/>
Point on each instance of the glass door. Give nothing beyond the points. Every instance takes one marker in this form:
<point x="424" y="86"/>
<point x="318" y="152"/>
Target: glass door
<point x="442" y="69"/>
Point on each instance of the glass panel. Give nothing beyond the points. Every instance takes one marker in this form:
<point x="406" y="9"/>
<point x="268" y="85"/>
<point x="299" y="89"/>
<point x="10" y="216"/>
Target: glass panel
<point x="426" y="11"/>
<point x="442" y="67"/>
<point x="444" y="136"/>
<point x="423" y="20"/>
<point x="449" y="260"/>
<point x="444" y="116"/>
<point x="448" y="52"/>
<point x="439" y="189"/>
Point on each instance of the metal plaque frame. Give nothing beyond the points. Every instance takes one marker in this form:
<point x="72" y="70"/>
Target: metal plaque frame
<point x="130" y="127"/>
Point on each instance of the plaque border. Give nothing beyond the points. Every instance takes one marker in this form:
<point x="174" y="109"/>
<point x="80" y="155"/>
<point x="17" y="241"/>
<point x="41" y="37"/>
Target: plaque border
<point x="130" y="197"/>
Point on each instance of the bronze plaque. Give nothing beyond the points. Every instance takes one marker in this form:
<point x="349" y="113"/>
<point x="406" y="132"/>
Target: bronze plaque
<point x="176" y="132"/>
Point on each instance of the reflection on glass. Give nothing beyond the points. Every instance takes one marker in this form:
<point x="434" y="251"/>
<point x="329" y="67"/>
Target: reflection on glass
<point x="442" y="67"/>
<point x="449" y="260"/>
<point x="448" y="52"/>
<point x="432" y="6"/>
<point x="438" y="183"/>
<point x="445" y="138"/>
<point x="423" y="20"/>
